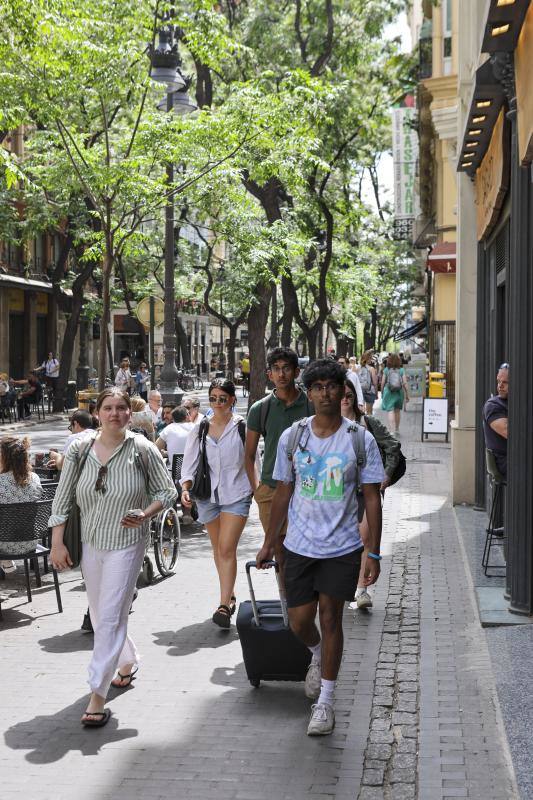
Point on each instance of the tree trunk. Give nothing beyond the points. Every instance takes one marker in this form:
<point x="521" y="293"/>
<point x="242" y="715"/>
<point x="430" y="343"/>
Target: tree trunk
<point x="67" y="348"/>
<point x="311" y="336"/>
<point x="257" y="320"/>
<point x="106" y="306"/>
<point x="288" y="314"/>
<point x="110" y="360"/>
<point x="183" y="344"/>
<point x="232" y="344"/>
<point x="273" y="340"/>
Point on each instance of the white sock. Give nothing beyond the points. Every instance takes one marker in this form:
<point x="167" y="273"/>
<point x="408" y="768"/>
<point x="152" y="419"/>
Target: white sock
<point x="327" y="692"/>
<point x="316" y="652"/>
<point x="360" y="590"/>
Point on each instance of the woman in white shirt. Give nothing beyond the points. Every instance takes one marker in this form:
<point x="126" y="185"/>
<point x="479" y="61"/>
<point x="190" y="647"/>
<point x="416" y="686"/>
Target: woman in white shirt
<point x="123" y="376"/>
<point x="226" y="511"/>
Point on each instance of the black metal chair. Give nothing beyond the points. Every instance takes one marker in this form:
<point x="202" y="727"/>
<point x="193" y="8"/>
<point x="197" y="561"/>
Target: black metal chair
<point x="8" y="408"/>
<point x="495" y="532"/>
<point x="28" y="522"/>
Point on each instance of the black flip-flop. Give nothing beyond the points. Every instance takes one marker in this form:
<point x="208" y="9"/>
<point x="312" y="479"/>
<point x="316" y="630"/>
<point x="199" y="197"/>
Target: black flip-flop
<point x="97" y="723"/>
<point x="222" y="616"/>
<point x="125" y="678"/>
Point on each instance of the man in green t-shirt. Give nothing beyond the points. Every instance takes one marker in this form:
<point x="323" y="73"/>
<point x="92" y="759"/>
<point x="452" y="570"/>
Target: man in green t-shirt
<point x="269" y="417"/>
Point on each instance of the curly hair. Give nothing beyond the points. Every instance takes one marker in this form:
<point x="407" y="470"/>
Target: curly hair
<point x="323" y="369"/>
<point x="15" y="458"/>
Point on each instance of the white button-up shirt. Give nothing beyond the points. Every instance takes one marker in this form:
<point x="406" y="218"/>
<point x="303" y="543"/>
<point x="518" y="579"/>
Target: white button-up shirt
<point x="226" y="463"/>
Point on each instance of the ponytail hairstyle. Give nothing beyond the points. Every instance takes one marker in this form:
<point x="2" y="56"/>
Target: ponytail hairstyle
<point x="15" y="458"/>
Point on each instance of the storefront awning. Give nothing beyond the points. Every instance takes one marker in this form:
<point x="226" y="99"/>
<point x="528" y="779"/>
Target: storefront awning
<point x="443" y="257"/>
<point x="414" y="330"/>
<point x="17" y="282"/>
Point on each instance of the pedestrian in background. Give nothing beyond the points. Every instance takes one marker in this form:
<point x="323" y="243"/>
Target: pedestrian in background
<point x="390" y="450"/>
<point x="394" y="391"/>
<point x="225" y="513"/>
<point x="192" y="404"/>
<point x="495" y="420"/>
<point x="117" y="493"/>
<point x="369" y="380"/>
<point x="123" y="376"/>
<point x="142" y="378"/>
<point x="269" y="417"/>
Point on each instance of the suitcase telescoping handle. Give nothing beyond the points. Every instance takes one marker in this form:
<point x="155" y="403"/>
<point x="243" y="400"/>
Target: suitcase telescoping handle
<point x="249" y="566"/>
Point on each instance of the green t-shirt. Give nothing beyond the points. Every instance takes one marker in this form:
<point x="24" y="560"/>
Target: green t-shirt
<point x="280" y="417"/>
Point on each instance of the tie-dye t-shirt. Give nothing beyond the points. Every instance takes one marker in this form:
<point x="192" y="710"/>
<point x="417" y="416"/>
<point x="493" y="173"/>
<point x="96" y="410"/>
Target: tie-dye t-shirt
<point x="323" y="507"/>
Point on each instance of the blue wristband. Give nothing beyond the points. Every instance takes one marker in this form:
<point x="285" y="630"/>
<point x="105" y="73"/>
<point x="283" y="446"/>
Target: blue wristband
<point x="374" y="556"/>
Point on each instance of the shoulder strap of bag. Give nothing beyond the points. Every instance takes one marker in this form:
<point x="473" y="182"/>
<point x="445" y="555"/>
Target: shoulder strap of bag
<point x="140" y="450"/>
<point x="265" y="411"/>
<point x="357" y="435"/>
<point x="296" y="432"/>
<point x="242" y="429"/>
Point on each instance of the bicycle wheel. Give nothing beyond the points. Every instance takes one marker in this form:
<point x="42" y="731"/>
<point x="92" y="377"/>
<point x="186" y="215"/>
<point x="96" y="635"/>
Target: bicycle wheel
<point x="167" y="538"/>
<point x="187" y="383"/>
<point x="198" y="384"/>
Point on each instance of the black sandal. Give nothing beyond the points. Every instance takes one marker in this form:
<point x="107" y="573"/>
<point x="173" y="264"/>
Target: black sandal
<point x="128" y="678"/>
<point x="233" y="605"/>
<point x="222" y="615"/>
<point x="97" y="723"/>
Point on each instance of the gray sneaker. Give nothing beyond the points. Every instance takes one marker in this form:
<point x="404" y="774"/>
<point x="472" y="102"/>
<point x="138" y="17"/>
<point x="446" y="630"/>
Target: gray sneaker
<point x="364" y="600"/>
<point x="322" y="720"/>
<point x="312" y="681"/>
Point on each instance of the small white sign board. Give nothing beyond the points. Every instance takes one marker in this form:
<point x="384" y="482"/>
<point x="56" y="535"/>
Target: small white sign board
<point x="435" y="416"/>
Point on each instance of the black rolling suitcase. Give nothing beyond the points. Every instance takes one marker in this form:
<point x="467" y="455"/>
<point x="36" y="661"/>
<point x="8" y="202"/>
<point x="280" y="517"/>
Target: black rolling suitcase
<point x="270" y="649"/>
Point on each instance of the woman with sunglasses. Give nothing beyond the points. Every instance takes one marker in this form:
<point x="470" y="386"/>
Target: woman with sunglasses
<point x="390" y="449"/>
<point x="119" y="481"/>
<point x="226" y="511"/>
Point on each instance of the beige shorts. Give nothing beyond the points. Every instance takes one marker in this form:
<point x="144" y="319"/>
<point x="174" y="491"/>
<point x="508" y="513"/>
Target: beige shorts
<point x="263" y="497"/>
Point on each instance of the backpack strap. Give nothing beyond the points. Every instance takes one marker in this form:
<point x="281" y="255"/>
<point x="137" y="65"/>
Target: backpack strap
<point x="357" y="434"/>
<point x="265" y="411"/>
<point x="242" y="429"/>
<point x="296" y="432"/>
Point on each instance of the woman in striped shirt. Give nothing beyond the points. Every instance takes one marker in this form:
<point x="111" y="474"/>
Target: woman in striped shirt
<point x="123" y="482"/>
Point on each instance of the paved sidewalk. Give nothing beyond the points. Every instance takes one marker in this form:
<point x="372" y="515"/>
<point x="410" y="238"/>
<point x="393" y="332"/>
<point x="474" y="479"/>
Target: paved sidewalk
<point x="417" y="712"/>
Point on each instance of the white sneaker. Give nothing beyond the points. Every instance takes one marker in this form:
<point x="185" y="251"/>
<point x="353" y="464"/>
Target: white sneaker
<point x="322" y="720"/>
<point x="313" y="680"/>
<point x="364" y="600"/>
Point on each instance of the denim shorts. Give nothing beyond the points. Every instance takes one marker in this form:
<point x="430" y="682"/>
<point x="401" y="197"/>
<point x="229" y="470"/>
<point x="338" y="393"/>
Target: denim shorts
<point x="208" y="511"/>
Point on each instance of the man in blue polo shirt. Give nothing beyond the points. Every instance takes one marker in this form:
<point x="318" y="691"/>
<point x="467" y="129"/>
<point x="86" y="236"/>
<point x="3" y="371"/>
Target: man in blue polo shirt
<point x="317" y="484"/>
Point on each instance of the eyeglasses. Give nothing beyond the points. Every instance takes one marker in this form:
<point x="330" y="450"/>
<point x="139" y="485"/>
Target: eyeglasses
<point x="325" y="387"/>
<point x="101" y="481"/>
<point x="348" y="396"/>
<point x="70" y="426"/>
<point x="218" y="401"/>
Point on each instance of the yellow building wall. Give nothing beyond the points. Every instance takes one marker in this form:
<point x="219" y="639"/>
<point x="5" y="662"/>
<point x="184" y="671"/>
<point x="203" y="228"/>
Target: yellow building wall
<point x="444" y="305"/>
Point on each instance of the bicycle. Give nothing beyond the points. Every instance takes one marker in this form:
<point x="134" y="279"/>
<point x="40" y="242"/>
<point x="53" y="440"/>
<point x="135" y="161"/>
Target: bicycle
<point x="185" y="382"/>
<point x="198" y="383"/>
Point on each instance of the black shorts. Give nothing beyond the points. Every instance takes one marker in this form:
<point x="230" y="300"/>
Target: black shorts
<point x="306" y="578"/>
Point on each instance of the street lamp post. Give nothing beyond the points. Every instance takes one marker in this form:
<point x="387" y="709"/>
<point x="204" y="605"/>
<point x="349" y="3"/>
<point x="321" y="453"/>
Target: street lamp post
<point x="165" y="69"/>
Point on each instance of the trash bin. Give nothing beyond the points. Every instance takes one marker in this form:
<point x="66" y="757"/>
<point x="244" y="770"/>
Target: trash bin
<point x="437" y="385"/>
<point x="70" y="395"/>
<point x="84" y="397"/>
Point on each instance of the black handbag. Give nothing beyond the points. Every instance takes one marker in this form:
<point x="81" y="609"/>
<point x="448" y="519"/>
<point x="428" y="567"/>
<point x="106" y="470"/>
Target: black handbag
<point x="72" y="532"/>
<point x="201" y="488"/>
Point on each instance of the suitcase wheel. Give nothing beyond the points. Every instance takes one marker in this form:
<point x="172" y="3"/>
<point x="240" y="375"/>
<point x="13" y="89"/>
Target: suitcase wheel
<point x="255" y="683"/>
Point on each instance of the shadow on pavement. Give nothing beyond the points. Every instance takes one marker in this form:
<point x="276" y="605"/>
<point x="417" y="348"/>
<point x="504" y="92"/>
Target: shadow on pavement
<point x="193" y="638"/>
<point x="70" y="642"/>
<point x="49" y="737"/>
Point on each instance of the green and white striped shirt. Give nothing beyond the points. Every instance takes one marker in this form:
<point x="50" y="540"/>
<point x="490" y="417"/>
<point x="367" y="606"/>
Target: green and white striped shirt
<point x="102" y="512"/>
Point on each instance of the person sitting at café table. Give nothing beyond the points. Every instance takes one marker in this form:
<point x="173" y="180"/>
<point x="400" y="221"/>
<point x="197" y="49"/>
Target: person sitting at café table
<point x="31" y="394"/>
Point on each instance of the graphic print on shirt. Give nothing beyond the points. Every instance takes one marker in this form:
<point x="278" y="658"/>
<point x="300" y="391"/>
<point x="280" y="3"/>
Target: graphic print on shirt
<point x="321" y="476"/>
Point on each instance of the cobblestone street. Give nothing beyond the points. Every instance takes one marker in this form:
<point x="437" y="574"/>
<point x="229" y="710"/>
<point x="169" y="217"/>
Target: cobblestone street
<point x="417" y="711"/>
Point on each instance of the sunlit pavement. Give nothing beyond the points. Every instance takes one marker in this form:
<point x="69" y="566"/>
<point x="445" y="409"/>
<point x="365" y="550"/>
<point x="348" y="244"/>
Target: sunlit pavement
<point x="417" y="715"/>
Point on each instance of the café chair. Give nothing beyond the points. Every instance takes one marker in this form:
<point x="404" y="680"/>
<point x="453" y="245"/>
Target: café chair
<point x="495" y="533"/>
<point x="28" y="522"/>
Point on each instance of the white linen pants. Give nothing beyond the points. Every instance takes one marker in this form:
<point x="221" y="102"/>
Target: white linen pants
<point x="110" y="577"/>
